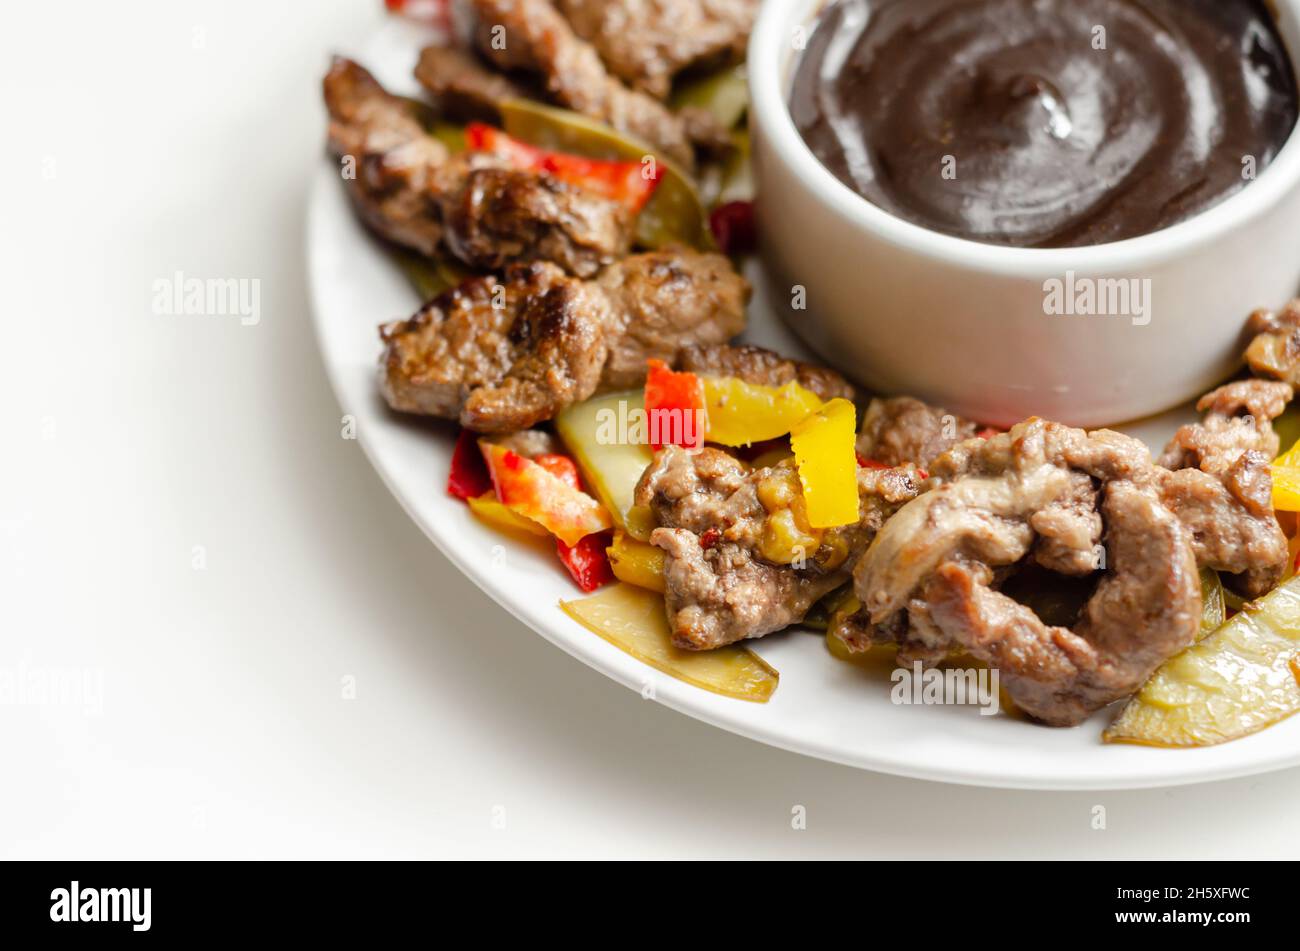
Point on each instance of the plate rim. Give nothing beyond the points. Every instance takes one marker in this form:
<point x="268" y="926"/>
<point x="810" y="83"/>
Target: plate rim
<point x="755" y="722"/>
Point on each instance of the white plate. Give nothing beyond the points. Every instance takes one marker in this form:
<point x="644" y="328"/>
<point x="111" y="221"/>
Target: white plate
<point x="823" y="707"/>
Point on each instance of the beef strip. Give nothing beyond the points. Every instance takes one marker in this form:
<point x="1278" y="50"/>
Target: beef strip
<point x="501" y="216"/>
<point x="647" y="42"/>
<point x="532" y="36"/>
<point x="1230" y="517"/>
<point x="722" y="526"/>
<point x="1238" y="419"/>
<point x="401" y="172"/>
<point x="410" y="190"/>
<point x="1221" y="486"/>
<point x="463" y="86"/>
<point x="1274" y="351"/>
<point x="929" y="580"/>
<point x="503" y="354"/>
<point x="1145" y="610"/>
<point x="904" y="431"/>
<point x="669" y="301"/>
<point x="765" y="368"/>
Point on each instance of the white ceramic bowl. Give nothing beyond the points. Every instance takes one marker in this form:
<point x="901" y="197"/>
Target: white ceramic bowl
<point x="903" y="309"/>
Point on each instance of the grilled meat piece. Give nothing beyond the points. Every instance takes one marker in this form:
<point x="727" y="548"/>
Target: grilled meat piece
<point x="503" y="215"/>
<point x="1145" y="610"/>
<point x="1238" y="419"/>
<point x="648" y="42"/>
<point x="765" y="368"/>
<point x="669" y="301"/>
<point x="401" y="173"/>
<point x="499" y="355"/>
<point x="903" y="431"/>
<point x="1274" y="351"/>
<point x="733" y="569"/>
<point x="503" y="354"/>
<point x="1230" y="517"/>
<point x="1221" y="486"/>
<point x="929" y="580"/>
<point x="532" y="36"/>
<point x="463" y="86"/>
<point x="411" y="191"/>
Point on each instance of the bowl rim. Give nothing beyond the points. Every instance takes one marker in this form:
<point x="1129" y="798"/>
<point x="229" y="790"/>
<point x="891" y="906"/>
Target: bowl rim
<point x="770" y="114"/>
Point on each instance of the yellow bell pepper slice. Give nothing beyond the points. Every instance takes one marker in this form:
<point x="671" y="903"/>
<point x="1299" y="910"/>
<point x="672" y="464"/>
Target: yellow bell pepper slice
<point x="741" y="414"/>
<point x="1286" y="488"/>
<point x="1286" y="480"/>
<point x="828" y="464"/>
<point x="498" y="516"/>
<point x="637" y="563"/>
<point x="634" y="621"/>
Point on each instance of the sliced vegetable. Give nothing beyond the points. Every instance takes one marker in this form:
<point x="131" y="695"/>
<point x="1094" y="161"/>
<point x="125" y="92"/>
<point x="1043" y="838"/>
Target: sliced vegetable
<point x="1286" y="480"/>
<point x="674" y="214"/>
<point x="587" y="562"/>
<point x="633" y="620"/>
<point x="435" y="12"/>
<point x="423" y="274"/>
<point x="737" y="182"/>
<point x="1214" y="606"/>
<point x="741" y="413"/>
<point x="1235" y="682"/>
<point x="674" y="405"/>
<point x="637" y="563"/>
<point x="1286" y="488"/>
<point x="528" y="489"/>
<point x="469" y="476"/>
<point x="562" y="467"/>
<point x="1287" y="427"/>
<point x="724" y="94"/>
<point x="606" y="436"/>
<point x="499" y="517"/>
<point x="828" y="464"/>
<point x="629" y="183"/>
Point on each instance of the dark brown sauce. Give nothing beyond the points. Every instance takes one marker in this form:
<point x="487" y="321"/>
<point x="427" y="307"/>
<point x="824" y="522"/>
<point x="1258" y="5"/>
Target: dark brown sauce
<point x="1045" y="123"/>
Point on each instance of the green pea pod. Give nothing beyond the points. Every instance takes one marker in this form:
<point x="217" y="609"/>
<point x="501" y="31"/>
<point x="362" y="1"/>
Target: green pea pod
<point x="1214" y="605"/>
<point x="737" y="172"/>
<point x="674" y="215"/>
<point x="723" y="94"/>
<point x="1287" y="426"/>
<point x="449" y="134"/>
<point x="1238" y="680"/>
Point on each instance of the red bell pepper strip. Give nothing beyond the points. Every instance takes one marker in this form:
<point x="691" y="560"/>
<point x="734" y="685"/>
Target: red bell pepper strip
<point x="436" y="12"/>
<point x="733" y="227"/>
<point x="561" y="466"/>
<point x="587" y="561"/>
<point x="674" y="406"/>
<point x="629" y="183"/>
<point x="469" y="476"/>
<point x="533" y="491"/>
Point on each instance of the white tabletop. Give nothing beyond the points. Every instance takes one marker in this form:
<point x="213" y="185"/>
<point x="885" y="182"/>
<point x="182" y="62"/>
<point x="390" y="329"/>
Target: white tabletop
<point x="193" y="560"/>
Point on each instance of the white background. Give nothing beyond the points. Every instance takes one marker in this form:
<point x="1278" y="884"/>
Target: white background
<point x="145" y="138"/>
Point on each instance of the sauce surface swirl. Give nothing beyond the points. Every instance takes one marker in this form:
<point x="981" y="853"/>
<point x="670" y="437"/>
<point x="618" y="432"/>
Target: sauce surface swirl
<point x="1045" y="123"/>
